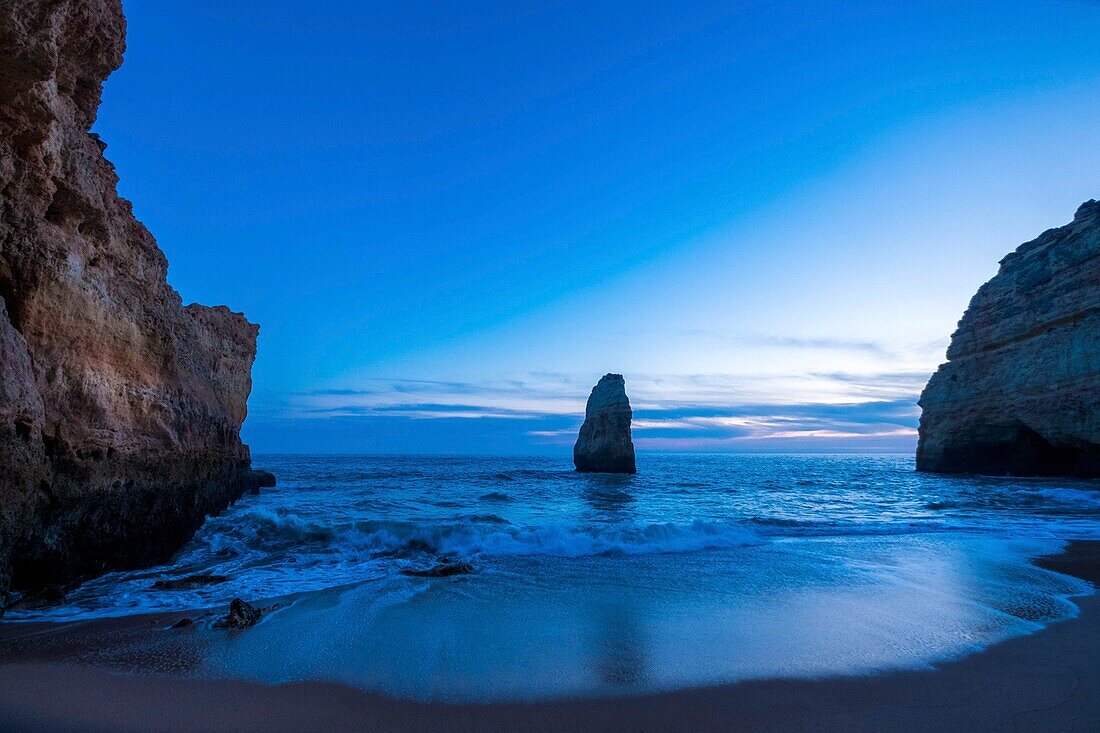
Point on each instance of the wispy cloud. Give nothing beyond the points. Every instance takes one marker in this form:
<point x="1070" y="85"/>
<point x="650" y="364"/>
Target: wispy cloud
<point x="420" y="411"/>
<point x="829" y="344"/>
<point x="557" y="395"/>
<point x="557" y="435"/>
<point x="769" y="341"/>
<point x="664" y="424"/>
<point x="891" y="433"/>
<point x="678" y="412"/>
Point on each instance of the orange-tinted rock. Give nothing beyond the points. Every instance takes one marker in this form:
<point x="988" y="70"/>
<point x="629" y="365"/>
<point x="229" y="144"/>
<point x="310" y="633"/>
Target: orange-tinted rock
<point x="121" y="407"/>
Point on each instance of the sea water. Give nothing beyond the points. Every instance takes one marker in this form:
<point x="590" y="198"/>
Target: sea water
<point x="700" y="569"/>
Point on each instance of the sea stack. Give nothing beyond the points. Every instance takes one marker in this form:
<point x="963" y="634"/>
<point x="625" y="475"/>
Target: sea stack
<point x="120" y="408"/>
<point x="1020" y="392"/>
<point x="604" y="444"/>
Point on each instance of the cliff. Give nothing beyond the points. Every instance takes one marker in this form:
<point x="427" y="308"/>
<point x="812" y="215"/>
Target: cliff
<point x="121" y="407"/>
<point x="604" y="443"/>
<point x="1020" y="392"/>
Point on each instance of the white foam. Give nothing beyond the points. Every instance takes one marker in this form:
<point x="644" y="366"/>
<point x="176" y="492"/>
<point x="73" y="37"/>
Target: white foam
<point x="557" y="539"/>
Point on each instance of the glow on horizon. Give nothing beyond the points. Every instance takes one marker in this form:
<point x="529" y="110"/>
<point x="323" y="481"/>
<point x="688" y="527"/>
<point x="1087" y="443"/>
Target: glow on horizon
<point x="768" y="219"/>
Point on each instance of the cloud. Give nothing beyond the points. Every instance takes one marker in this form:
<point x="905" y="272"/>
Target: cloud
<point x="828" y="344"/>
<point x="671" y="412"/>
<point x="880" y="383"/>
<point x="420" y="411"/>
<point x="727" y="426"/>
<point x="701" y="395"/>
<point x="853" y="346"/>
<point x="891" y="433"/>
<point x="569" y="433"/>
<point x="663" y="424"/>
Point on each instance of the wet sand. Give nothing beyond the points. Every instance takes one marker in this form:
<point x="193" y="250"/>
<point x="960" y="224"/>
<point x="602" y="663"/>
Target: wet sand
<point x="1048" y="681"/>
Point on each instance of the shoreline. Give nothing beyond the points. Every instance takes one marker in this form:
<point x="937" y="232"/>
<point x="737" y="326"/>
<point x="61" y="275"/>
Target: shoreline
<point x="1047" y="680"/>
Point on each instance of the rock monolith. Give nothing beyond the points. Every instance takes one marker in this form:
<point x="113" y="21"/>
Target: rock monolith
<point x="604" y="444"/>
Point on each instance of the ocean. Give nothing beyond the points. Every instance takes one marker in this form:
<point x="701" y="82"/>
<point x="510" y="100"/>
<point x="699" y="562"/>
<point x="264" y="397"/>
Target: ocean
<point x="700" y="569"/>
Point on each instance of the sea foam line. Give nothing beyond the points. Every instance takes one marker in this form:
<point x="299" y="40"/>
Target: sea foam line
<point x="266" y="530"/>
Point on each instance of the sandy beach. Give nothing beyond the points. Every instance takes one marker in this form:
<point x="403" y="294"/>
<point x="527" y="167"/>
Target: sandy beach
<point x="1043" y="682"/>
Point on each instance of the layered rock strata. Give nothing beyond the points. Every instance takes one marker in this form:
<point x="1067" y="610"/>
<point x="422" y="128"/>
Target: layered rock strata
<point x="120" y="408"/>
<point x="604" y="443"/>
<point x="1020" y="392"/>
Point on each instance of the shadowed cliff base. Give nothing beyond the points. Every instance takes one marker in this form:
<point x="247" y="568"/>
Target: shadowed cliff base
<point x="1015" y="450"/>
<point x="1020" y="392"/>
<point x="159" y="508"/>
<point x="120" y="407"/>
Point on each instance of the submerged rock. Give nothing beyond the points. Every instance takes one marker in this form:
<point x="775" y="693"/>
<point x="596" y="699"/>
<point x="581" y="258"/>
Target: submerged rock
<point x="1020" y="392"/>
<point x="191" y="582"/>
<point x="241" y="615"/>
<point x="604" y="443"/>
<point x="120" y="408"/>
<point x="442" y="570"/>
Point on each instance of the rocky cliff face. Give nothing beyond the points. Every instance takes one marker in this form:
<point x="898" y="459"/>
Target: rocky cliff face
<point x="120" y="408"/>
<point x="604" y="443"/>
<point x="1020" y="393"/>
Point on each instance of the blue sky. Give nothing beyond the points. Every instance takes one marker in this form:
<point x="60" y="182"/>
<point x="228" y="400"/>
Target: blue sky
<point x="451" y="218"/>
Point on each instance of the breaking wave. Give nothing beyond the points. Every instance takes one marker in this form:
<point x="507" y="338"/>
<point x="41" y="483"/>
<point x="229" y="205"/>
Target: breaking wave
<point x="479" y="535"/>
<point x="335" y="522"/>
<point x="1072" y="497"/>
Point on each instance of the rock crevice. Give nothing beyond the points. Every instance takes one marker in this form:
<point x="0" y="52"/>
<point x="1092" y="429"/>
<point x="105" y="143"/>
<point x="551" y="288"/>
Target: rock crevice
<point x="120" y="409"/>
<point x="1020" y="392"/>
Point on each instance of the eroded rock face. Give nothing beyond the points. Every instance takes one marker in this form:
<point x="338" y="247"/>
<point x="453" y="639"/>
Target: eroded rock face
<point x="120" y="408"/>
<point x="604" y="443"/>
<point x="1020" y="393"/>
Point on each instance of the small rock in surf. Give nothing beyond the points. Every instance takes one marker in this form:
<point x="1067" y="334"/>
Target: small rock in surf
<point x="241" y="616"/>
<point x="442" y="570"/>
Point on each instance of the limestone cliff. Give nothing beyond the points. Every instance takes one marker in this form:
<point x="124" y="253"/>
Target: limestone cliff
<point x="604" y="443"/>
<point x="1020" y="392"/>
<point x="120" y="408"/>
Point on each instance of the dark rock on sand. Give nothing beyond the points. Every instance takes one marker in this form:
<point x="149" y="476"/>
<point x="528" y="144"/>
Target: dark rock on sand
<point x="241" y="615"/>
<point x="442" y="570"/>
<point x="1020" y="392"/>
<point x="120" y="407"/>
<point x="191" y="582"/>
<point x="39" y="598"/>
<point x="183" y="623"/>
<point x="604" y="443"/>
